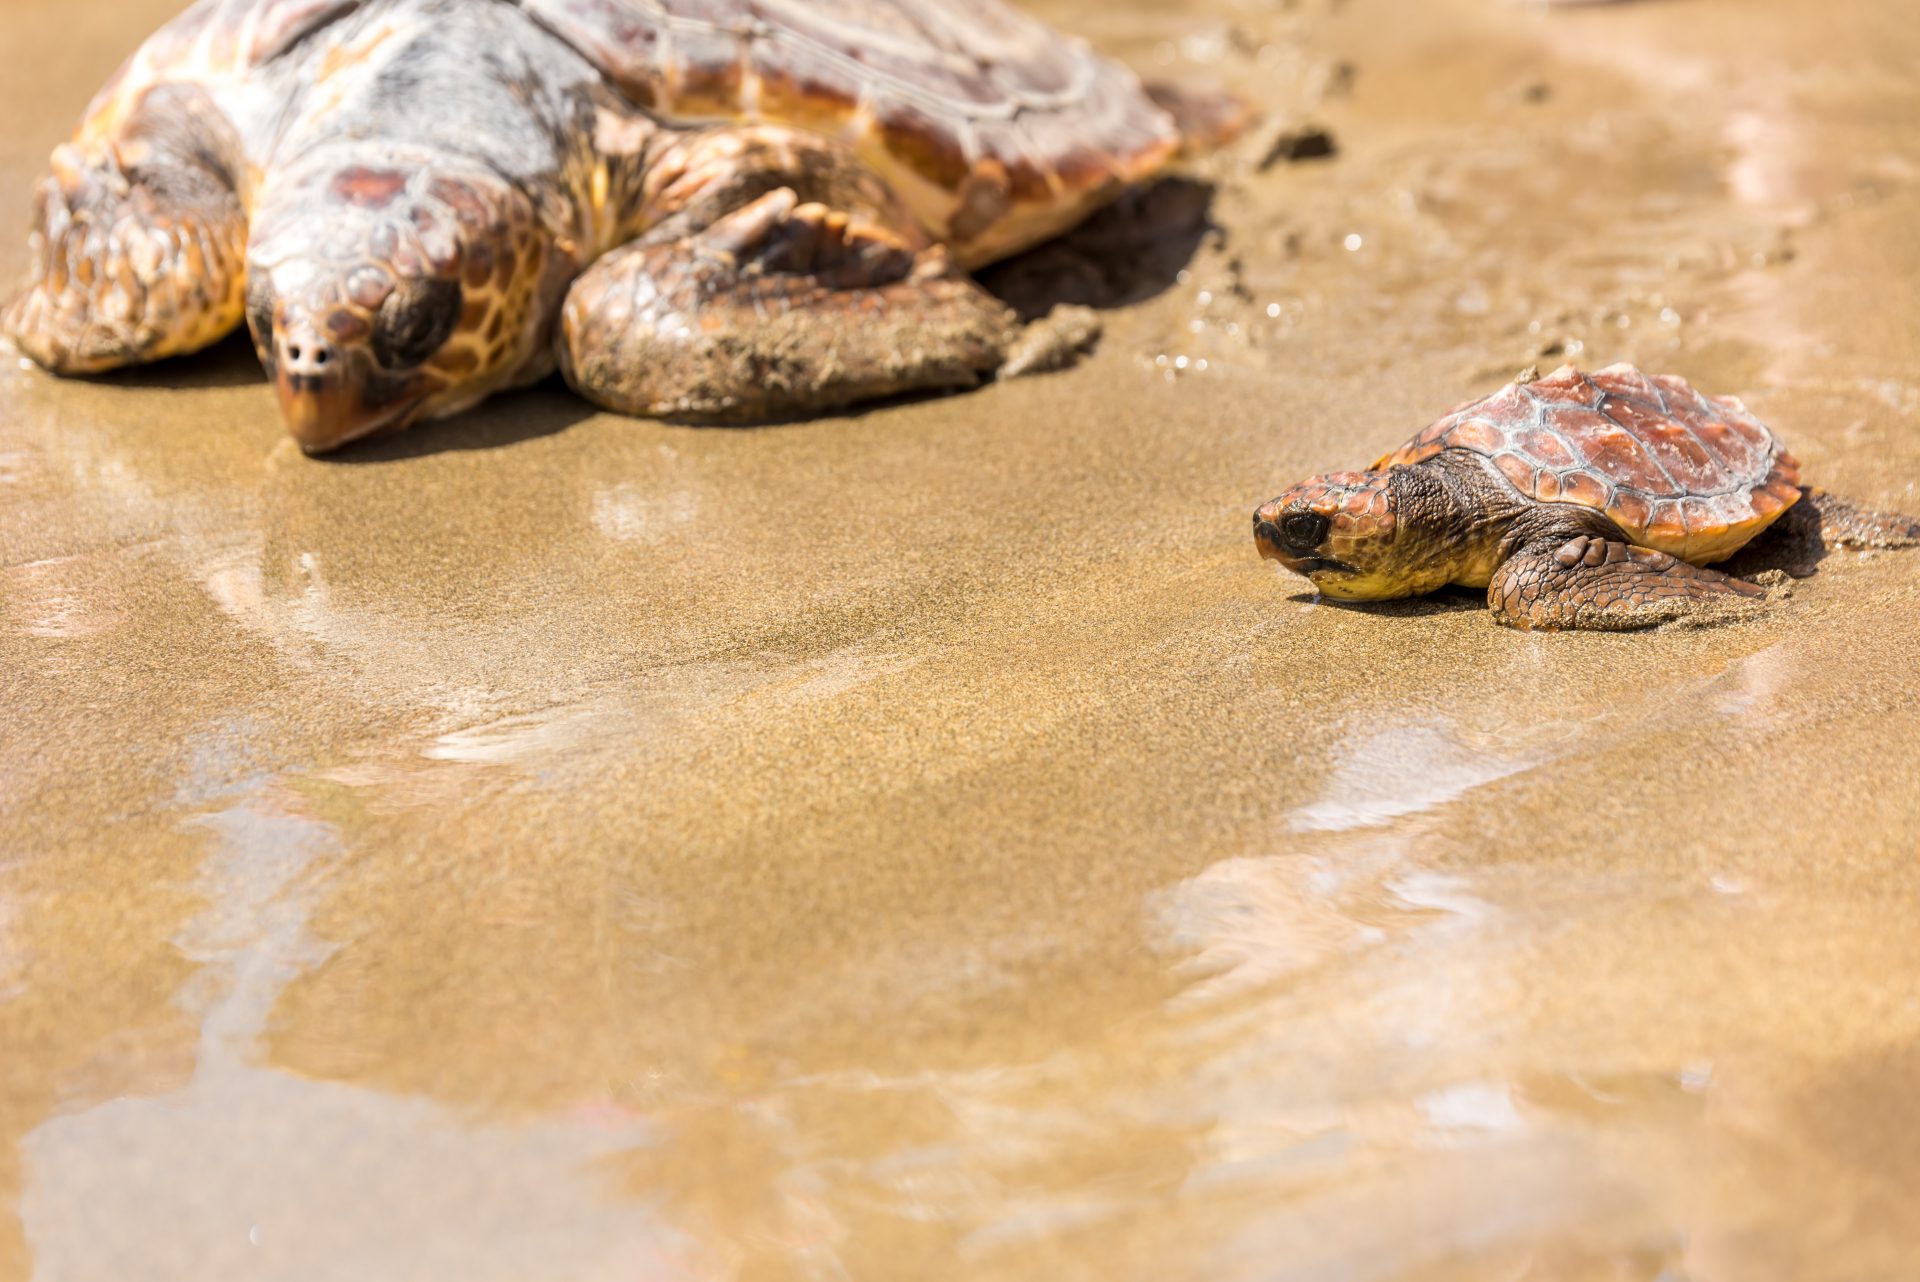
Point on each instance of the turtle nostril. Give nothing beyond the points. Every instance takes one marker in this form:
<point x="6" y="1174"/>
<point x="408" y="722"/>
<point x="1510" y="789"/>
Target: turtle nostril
<point x="308" y="356"/>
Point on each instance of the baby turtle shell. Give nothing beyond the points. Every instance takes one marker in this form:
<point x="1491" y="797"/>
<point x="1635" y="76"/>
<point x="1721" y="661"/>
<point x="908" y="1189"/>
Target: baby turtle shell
<point x="1694" y="476"/>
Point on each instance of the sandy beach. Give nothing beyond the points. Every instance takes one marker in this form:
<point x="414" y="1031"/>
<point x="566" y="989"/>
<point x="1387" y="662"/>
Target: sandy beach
<point x="929" y="842"/>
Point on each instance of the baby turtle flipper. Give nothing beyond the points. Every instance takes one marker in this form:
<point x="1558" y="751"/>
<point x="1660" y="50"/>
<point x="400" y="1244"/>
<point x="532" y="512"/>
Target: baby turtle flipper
<point x="1605" y="585"/>
<point x="1206" y="118"/>
<point x="1819" y="523"/>
<point x="139" y="243"/>
<point x="780" y="308"/>
<point x="1845" y="524"/>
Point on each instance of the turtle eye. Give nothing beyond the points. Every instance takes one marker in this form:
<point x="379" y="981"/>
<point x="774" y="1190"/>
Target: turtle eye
<point x="1303" y="531"/>
<point x="417" y="318"/>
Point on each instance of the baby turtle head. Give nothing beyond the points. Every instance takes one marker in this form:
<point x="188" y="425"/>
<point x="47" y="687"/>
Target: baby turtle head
<point x="1338" y="530"/>
<point x="1347" y="532"/>
<point x="385" y="289"/>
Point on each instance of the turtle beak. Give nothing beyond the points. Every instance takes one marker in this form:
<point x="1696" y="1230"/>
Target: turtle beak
<point x="1324" y="572"/>
<point x="1266" y="535"/>
<point x="324" y="391"/>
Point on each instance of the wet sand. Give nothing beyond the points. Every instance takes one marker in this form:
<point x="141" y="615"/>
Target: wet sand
<point x="929" y="843"/>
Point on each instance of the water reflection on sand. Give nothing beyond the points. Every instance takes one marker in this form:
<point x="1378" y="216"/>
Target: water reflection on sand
<point x="249" y="1171"/>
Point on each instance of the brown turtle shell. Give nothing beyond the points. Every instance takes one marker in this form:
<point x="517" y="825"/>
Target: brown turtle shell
<point x="998" y="131"/>
<point x="1694" y="476"/>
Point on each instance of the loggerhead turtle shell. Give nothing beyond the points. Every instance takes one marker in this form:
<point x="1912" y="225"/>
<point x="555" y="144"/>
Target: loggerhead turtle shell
<point x="998" y="131"/>
<point x="1690" y="475"/>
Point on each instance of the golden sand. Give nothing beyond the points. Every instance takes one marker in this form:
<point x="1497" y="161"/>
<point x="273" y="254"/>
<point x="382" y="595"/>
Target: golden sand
<point x="930" y="843"/>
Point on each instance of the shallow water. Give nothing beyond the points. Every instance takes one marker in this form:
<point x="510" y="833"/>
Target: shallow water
<point x="929" y="843"/>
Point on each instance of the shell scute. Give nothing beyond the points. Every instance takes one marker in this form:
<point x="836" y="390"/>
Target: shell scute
<point x="1786" y="474"/>
<point x="1027" y="177"/>
<point x="1679" y="395"/>
<point x="922" y="143"/>
<point x="1478" y="434"/>
<point x="1602" y="444"/>
<point x="1673" y="447"/>
<point x="1739" y="422"/>
<point x="1583" y="487"/>
<point x="926" y="50"/>
<point x="1435" y="437"/>
<point x="1511" y="406"/>
<point x="1729" y="450"/>
<point x="800" y="85"/>
<point x="1766" y="503"/>
<point x="1564" y="386"/>
<point x="1626" y="381"/>
<point x="1516" y="469"/>
<point x="1699" y="513"/>
<point x="1734" y="508"/>
<point x="1580" y="427"/>
<point x="1546" y="449"/>
<point x="1667" y="526"/>
<point x="1632" y="510"/>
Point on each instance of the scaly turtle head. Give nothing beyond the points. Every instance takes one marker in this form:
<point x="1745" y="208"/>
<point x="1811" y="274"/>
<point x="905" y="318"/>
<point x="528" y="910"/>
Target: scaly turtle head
<point x="1354" y="537"/>
<point x="385" y="288"/>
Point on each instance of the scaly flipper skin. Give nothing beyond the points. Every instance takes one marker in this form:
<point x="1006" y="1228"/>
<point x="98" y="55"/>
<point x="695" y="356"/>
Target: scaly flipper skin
<point x="1845" y="524"/>
<point x="838" y="311"/>
<point x="138" y="244"/>
<point x="1605" y="585"/>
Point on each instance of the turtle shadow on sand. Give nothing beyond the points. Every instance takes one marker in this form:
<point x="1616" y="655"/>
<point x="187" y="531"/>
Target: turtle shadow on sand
<point x="509" y="419"/>
<point x="1132" y="250"/>
<point x="231" y="362"/>
<point x="1447" y="600"/>
<point x="1792" y="546"/>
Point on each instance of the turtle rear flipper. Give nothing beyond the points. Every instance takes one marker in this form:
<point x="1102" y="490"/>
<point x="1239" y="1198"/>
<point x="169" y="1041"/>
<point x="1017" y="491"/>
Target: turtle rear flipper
<point x="1207" y="119"/>
<point x="138" y="243"/>
<point x="1845" y="524"/>
<point x="1605" y="585"/>
<point x="777" y="309"/>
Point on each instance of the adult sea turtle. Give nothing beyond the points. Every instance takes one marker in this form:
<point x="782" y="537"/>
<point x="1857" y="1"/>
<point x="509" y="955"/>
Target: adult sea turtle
<point x="710" y="209"/>
<point x="1576" y="500"/>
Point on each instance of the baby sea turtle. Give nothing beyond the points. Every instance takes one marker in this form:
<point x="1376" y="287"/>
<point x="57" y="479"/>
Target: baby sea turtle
<point x="720" y="209"/>
<point x="1577" y="500"/>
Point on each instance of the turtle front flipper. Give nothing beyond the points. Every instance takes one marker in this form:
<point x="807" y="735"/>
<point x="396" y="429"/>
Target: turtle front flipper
<point x="779" y="308"/>
<point x="1609" y="586"/>
<point x="138" y="243"/>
